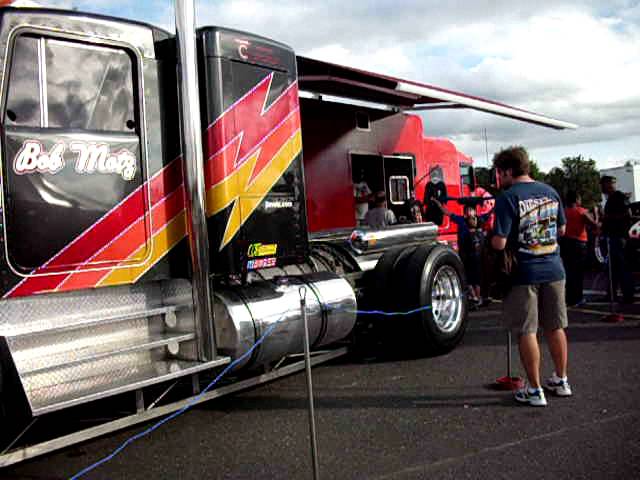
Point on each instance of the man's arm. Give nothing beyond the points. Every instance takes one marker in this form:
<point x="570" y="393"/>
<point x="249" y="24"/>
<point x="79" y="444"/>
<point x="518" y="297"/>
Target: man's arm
<point x="503" y="222"/>
<point x="561" y="220"/>
<point x="590" y="220"/>
<point x="498" y="242"/>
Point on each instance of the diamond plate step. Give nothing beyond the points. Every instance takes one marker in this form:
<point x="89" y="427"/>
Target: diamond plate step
<point x="45" y="327"/>
<point x="130" y="374"/>
<point x="73" y="347"/>
<point x="29" y="364"/>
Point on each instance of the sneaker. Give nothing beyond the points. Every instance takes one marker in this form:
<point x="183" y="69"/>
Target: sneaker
<point x="532" y="396"/>
<point x="485" y="302"/>
<point x="559" y="386"/>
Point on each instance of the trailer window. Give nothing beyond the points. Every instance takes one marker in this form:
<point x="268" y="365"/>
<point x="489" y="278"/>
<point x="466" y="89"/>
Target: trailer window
<point x="62" y="84"/>
<point x="398" y="189"/>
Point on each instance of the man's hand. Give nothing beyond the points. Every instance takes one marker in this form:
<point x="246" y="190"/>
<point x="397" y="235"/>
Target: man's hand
<point x="498" y="242"/>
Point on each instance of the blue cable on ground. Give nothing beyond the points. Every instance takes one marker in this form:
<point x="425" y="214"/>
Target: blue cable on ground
<point x="388" y="314"/>
<point x="177" y="413"/>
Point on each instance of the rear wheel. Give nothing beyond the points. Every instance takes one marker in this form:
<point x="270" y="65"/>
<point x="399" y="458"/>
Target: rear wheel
<point x="434" y="280"/>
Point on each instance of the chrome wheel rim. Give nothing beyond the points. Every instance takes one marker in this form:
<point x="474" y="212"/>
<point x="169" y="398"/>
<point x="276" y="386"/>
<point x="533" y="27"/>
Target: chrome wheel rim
<point x="447" y="299"/>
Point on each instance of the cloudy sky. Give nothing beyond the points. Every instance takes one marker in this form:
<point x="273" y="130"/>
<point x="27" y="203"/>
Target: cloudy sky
<point x="574" y="60"/>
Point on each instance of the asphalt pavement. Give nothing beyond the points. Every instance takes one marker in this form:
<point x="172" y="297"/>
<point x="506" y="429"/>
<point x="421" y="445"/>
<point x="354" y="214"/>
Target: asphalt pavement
<point x="393" y="418"/>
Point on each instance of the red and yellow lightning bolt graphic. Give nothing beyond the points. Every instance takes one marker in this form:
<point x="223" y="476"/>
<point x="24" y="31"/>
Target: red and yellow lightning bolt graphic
<point x="249" y="147"/>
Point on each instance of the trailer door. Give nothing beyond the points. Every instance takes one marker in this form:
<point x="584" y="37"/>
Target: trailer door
<point x="399" y="174"/>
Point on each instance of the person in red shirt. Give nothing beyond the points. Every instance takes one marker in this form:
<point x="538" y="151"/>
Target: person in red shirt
<point x="574" y="247"/>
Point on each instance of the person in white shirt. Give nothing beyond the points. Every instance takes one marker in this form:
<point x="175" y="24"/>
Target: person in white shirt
<point x="380" y="216"/>
<point x="362" y="194"/>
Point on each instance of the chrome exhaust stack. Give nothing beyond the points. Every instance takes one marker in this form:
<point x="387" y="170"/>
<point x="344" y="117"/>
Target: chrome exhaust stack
<point x="194" y="177"/>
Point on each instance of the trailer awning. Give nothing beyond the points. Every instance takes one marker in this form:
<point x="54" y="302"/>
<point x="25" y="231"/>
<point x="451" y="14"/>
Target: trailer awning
<point x="322" y="78"/>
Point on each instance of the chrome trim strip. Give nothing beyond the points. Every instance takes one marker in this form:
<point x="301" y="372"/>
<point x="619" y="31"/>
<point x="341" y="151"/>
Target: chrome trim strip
<point x="42" y="79"/>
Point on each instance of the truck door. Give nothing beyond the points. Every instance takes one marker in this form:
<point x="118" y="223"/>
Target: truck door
<point x="72" y="152"/>
<point x="399" y="173"/>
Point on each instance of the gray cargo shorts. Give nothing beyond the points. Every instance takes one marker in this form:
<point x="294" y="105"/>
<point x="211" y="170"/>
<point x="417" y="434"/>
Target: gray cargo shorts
<point x="524" y="305"/>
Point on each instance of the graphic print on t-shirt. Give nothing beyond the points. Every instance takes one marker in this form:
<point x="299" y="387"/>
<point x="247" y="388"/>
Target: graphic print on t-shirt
<point x="537" y="232"/>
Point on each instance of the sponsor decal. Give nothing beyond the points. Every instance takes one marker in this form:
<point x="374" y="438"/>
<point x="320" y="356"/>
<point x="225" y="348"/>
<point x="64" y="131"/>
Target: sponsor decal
<point x="262" y="250"/>
<point x="91" y="157"/>
<point x="243" y="45"/>
<point x="261" y="263"/>
<point x="256" y="52"/>
<point x="278" y="204"/>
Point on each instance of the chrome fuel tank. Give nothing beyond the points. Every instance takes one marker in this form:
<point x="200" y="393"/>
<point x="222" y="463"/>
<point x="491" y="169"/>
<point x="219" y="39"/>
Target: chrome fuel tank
<point x="242" y="315"/>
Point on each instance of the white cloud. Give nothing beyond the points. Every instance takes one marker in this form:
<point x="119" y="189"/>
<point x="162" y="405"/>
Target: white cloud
<point x="566" y="49"/>
<point x="578" y="60"/>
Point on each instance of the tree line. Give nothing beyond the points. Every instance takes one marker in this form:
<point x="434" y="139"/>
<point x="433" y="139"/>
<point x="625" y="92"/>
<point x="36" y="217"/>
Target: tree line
<point x="576" y="174"/>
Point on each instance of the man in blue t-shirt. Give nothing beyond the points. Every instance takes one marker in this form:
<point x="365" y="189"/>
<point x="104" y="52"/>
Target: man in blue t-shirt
<point x="528" y="221"/>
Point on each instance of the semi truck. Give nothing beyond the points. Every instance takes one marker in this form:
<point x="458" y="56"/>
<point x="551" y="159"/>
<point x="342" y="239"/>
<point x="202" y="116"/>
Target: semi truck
<point x="164" y="198"/>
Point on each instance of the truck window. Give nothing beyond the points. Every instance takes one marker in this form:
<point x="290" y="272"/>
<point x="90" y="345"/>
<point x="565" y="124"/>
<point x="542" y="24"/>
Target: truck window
<point x="466" y="175"/>
<point x="98" y="99"/>
<point x="23" y="107"/>
<point x="398" y="189"/>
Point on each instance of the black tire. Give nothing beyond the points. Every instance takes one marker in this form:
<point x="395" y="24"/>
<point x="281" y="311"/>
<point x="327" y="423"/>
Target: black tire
<point x="382" y="331"/>
<point x="381" y="293"/>
<point x="417" y="283"/>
